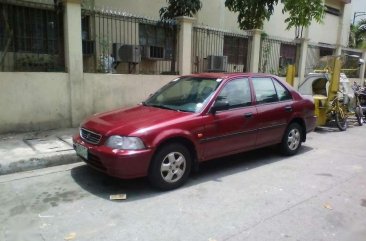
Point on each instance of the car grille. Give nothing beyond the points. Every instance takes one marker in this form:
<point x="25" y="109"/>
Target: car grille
<point x="89" y="136"/>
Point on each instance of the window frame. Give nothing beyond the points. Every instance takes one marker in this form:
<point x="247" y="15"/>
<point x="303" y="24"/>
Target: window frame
<point x="237" y="106"/>
<point x="274" y="80"/>
<point x="234" y="57"/>
<point x="255" y="93"/>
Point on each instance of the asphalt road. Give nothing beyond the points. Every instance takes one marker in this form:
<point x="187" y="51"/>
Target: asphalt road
<point x="320" y="194"/>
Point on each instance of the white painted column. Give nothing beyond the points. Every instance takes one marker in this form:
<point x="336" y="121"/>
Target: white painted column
<point x="255" y="50"/>
<point x="363" y="69"/>
<point x="302" y="61"/>
<point x="74" y="59"/>
<point x="185" y="45"/>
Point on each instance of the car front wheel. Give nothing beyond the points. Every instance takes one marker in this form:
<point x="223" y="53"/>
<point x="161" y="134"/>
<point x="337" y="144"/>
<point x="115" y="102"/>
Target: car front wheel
<point x="291" y="141"/>
<point x="170" y="167"/>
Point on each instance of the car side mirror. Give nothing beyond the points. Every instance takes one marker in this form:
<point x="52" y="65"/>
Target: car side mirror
<point x="220" y="104"/>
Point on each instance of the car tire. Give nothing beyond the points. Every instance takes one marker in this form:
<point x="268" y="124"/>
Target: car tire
<point x="170" y="167"/>
<point x="292" y="139"/>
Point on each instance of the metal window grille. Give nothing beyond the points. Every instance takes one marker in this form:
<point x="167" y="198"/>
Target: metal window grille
<point x="219" y="51"/>
<point x="118" y="42"/>
<point x="276" y="55"/>
<point x="31" y="37"/>
<point x="314" y="55"/>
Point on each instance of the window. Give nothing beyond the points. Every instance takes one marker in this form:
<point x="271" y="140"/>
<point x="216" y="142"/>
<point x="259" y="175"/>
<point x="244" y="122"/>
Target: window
<point x="288" y="55"/>
<point x="325" y="51"/>
<point x="34" y="30"/>
<point x="160" y="40"/>
<point x="264" y="90"/>
<point x="333" y="11"/>
<point x="237" y="93"/>
<point x="282" y="93"/>
<point x="236" y="49"/>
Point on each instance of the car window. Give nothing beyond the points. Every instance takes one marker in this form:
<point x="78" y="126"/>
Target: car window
<point x="264" y="90"/>
<point x="237" y="93"/>
<point x="282" y="92"/>
<point x="188" y="94"/>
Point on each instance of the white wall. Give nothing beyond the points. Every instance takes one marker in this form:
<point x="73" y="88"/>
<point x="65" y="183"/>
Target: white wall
<point x="41" y="101"/>
<point x="110" y="91"/>
<point x="34" y="101"/>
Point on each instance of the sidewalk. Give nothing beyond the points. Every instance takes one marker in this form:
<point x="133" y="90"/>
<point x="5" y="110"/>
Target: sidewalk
<point x="34" y="150"/>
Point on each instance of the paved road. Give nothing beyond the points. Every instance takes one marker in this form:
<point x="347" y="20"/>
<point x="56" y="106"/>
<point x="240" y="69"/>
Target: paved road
<point x="319" y="194"/>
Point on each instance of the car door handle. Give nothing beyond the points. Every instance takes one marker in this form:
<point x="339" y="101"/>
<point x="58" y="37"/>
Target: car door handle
<point x="248" y="115"/>
<point x="288" y="108"/>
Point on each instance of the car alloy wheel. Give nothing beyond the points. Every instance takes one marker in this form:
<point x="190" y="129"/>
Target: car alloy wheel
<point x="170" y="166"/>
<point x="173" y="167"/>
<point x="293" y="139"/>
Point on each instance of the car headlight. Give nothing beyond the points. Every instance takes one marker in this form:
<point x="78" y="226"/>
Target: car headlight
<point x="125" y="143"/>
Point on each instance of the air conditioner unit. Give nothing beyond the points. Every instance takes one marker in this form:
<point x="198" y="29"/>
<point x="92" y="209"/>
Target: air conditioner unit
<point x="154" y="52"/>
<point x="216" y="63"/>
<point x="127" y="53"/>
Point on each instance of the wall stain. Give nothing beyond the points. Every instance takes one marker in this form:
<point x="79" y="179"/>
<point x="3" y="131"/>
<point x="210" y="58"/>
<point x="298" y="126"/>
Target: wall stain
<point x="363" y="203"/>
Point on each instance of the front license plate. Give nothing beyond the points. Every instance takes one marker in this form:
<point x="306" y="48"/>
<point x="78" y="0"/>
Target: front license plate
<point x="81" y="151"/>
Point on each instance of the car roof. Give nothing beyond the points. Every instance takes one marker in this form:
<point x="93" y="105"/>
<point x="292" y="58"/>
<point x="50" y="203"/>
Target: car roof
<point x="228" y="75"/>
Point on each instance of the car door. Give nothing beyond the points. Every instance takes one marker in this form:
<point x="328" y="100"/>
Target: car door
<point x="232" y="130"/>
<point x="274" y="106"/>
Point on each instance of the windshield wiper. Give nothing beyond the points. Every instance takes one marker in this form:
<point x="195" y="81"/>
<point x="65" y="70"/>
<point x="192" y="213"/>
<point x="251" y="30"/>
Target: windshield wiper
<point x="160" y="106"/>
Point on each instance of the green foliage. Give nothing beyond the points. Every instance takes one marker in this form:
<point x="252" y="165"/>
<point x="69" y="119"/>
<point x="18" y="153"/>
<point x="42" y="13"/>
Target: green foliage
<point x="357" y="37"/>
<point x="251" y="13"/>
<point x="177" y="8"/>
<point x="302" y="12"/>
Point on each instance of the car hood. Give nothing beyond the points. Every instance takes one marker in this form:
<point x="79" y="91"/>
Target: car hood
<point x="131" y="120"/>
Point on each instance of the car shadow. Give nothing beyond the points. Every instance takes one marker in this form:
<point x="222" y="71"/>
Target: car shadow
<point x="103" y="186"/>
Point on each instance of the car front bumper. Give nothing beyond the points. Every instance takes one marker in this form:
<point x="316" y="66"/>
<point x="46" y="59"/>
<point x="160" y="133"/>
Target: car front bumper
<point x="125" y="164"/>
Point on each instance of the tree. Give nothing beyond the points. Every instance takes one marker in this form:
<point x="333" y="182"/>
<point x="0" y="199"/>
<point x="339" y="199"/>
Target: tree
<point x="251" y="13"/>
<point x="178" y="8"/>
<point x="302" y="13"/>
<point x="357" y="37"/>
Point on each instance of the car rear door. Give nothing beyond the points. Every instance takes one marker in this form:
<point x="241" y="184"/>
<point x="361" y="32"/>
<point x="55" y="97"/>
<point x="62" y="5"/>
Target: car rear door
<point x="274" y="105"/>
<point x="233" y="130"/>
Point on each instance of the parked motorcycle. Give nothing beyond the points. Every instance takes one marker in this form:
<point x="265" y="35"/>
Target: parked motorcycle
<point x="360" y="94"/>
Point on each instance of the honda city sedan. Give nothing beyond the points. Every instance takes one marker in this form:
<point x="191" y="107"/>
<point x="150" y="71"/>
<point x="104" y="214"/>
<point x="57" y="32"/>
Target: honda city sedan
<point x="194" y="119"/>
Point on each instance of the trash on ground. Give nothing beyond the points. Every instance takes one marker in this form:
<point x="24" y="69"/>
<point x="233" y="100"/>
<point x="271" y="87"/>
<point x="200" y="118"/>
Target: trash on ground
<point x="70" y="236"/>
<point x="118" y="197"/>
<point x="328" y="206"/>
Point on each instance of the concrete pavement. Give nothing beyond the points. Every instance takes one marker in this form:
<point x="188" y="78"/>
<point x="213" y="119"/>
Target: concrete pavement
<point x="34" y="150"/>
<point x="317" y="195"/>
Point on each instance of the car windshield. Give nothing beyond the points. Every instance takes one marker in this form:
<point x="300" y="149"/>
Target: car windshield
<point x="189" y="94"/>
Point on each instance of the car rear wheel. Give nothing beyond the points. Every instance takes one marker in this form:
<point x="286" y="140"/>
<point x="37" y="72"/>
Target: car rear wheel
<point x="170" y="167"/>
<point x="291" y="141"/>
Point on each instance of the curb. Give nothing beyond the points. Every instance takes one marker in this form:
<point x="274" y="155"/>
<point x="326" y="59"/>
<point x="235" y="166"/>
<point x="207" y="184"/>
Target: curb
<point x="40" y="161"/>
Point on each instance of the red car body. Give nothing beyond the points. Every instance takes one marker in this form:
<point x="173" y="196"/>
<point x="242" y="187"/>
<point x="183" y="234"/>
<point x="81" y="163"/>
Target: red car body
<point x="207" y="135"/>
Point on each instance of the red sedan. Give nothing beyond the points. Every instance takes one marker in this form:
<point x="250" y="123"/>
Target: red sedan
<point x="193" y="119"/>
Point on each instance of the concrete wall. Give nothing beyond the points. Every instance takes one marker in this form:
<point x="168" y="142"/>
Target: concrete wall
<point x="33" y="101"/>
<point x="110" y="91"/>
<point x="41" y="101"/>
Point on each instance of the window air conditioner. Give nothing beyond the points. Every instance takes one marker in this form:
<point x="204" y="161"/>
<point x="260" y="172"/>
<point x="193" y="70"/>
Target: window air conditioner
<point x="216" y="63"/>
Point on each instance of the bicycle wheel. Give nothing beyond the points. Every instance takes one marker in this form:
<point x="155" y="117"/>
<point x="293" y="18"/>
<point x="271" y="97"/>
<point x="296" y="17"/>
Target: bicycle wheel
<point x="341" y="119"/>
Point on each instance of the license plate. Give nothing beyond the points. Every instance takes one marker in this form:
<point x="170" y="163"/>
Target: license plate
<point x="81" y="151"/>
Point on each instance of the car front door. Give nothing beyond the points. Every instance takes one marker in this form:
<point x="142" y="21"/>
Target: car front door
<point x="274" y="106"/>
<point x="232" y="130"/>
